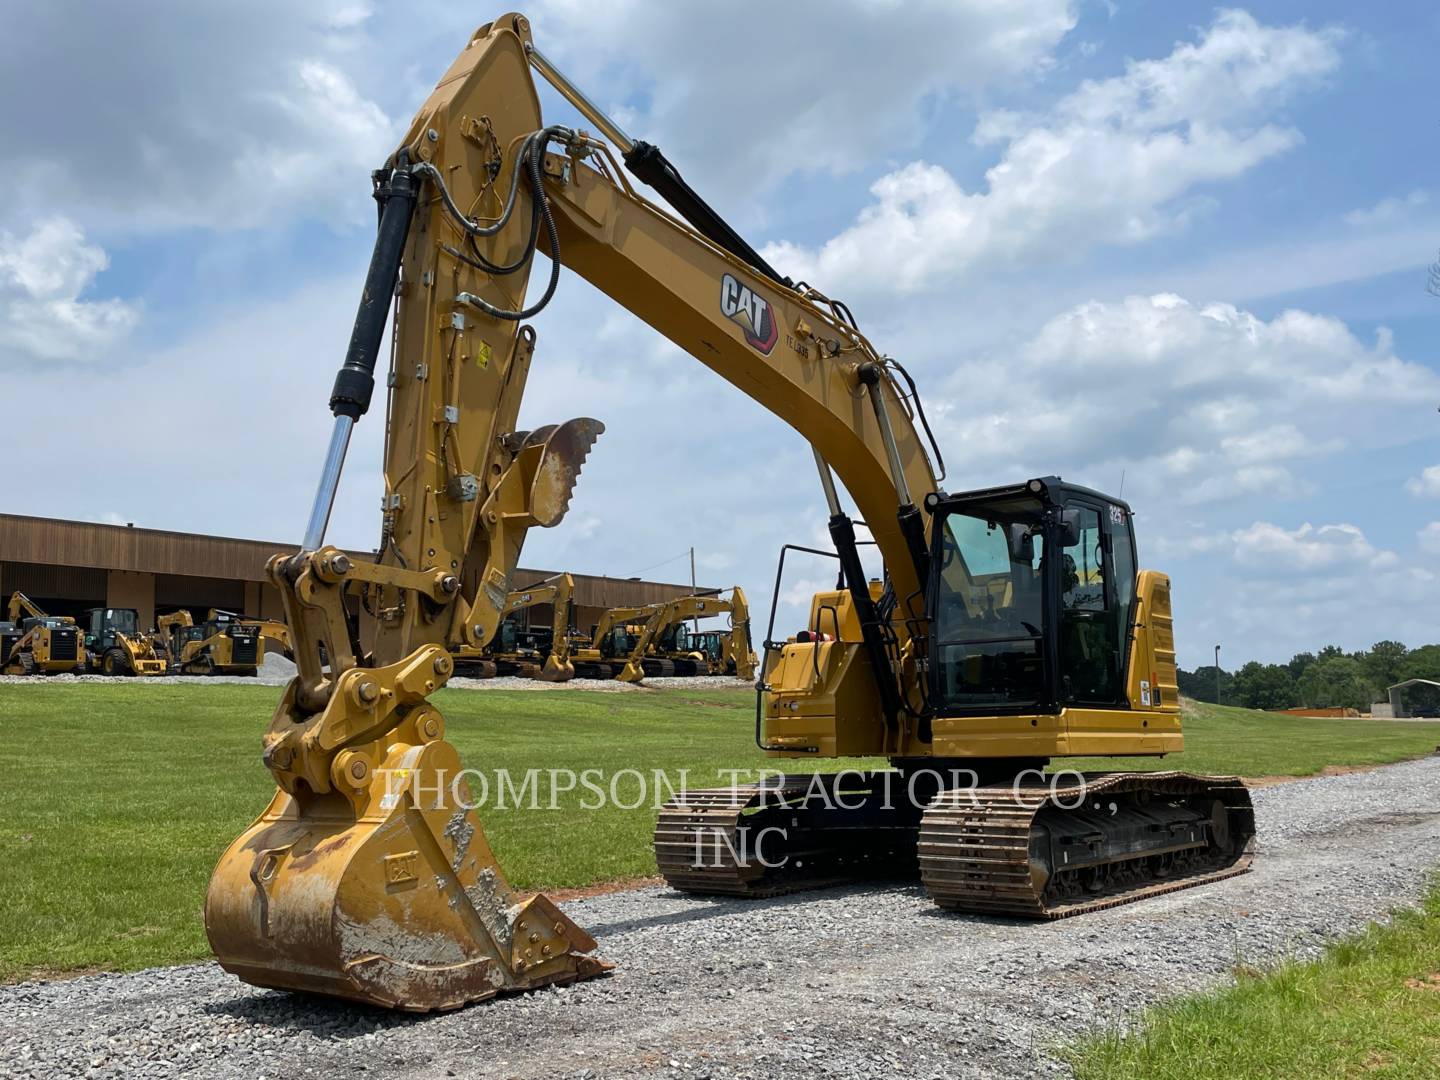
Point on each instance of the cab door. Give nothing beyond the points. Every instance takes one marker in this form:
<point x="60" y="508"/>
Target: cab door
<point x="1093" y="609"/>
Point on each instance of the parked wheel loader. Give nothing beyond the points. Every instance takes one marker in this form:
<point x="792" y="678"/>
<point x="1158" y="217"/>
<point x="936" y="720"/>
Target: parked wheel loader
<point x="34" y="643"/>
<point x="115" y="645"/>
<point x="221" y="645"/>
<point x="1012" y="627"/>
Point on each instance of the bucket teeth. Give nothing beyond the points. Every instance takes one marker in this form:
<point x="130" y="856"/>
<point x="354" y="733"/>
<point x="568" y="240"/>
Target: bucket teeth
<point x="386" y="895"/>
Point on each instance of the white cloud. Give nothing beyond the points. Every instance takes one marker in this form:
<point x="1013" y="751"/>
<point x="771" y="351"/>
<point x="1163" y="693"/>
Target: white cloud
<point x="216" y="116"/>
<point x="42" y="277"/>
<point x="745" y="95"/>
<point x="1195" y="403"/>
<point x="1110" y="163"/>
<point x="1346" y="597"/>
<point x="1426" y="485"/>
<point x="1387" y="210"/>
<point x="1429" y="538"/>
<point x="276" y="360"/>
<point x="1283" y="551"/>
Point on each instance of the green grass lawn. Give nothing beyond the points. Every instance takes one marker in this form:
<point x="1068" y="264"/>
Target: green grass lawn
<point x="121" y="798"/>
<point x="1223" y="740"/>
<point x="1370" y="1006"/>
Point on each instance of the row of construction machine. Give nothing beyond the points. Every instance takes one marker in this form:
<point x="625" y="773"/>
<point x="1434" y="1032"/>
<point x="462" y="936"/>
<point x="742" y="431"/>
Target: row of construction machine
<point x="1011" y="626"/>
<point x="107" y="641"/>
<point x="521" y="649"/>
<point x="659" y="640"/>
<point x="34" y="643"/>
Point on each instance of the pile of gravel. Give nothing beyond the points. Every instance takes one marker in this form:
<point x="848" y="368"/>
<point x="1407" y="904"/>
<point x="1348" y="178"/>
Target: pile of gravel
<point x="858" y="982"/>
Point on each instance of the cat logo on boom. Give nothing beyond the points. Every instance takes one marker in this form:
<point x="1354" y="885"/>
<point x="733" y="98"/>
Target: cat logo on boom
<point x="743" y="305"/>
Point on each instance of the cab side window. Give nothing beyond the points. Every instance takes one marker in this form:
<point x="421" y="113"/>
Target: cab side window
<point x="1122" y="558"/>
<point x="1082" y="567"/>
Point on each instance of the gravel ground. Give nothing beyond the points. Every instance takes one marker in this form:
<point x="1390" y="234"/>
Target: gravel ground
<point x="842" y="983"/>
<point x="275" y="670"/>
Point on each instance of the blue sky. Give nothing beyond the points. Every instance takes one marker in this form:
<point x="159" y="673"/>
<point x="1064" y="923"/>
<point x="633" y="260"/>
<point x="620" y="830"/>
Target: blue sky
<point x="1181" y="243"/>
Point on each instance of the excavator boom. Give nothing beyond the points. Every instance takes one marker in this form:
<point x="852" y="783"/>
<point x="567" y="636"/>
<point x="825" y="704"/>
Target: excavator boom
<point x="662" y="617"/>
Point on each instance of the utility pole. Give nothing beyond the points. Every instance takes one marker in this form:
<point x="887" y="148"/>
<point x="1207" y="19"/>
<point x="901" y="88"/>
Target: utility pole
<point x="1217" y="674"/>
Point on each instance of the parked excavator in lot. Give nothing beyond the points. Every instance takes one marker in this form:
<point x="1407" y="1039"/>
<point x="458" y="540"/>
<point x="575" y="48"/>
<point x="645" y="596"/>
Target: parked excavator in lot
<point x="34" y="643"/>
<point x="518" y="651"/>
<point x="630" y="643"/>
<point x="115" y="645"/>
<point x="703" y="652"/>
<point x="221" y="645"/>
<point x="1012" y="626"/>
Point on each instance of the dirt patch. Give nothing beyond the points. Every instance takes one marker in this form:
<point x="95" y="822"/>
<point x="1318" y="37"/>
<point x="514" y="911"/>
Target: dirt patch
<point x="1430" y="982"/>
<point x="1328" y="770"/>
<point x="605" y="888"/>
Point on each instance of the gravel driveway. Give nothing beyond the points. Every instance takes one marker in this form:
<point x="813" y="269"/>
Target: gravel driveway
<point x="844" y="983"/>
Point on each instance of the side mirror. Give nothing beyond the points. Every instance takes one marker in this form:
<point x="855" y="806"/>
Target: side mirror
<point x="1022" y="543"/>
<point x="1069" y="528"/>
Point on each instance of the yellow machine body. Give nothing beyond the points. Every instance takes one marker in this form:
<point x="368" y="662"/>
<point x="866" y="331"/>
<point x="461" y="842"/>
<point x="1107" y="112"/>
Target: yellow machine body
<point x="211" y="648"/>
<point x="822" y="699"/>
<point x="667" y="615"/>
<point x="115" y="645"/>
<point x="555" y="665"/>
<point x="368" y="876"/>
<point x="37" y="643"/>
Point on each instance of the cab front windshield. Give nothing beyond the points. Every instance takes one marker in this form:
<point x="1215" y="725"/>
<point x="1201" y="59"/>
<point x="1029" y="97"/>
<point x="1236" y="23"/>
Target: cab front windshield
<point x="122" y="620"/>
<point x="989" y="612"/>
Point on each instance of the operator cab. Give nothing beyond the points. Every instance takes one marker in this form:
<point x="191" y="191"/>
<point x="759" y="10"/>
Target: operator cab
<point x="1031" y="592"/>
<point x="103" y="623"/>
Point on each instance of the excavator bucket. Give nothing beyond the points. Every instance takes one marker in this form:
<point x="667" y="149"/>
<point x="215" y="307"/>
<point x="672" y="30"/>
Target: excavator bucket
<point x="384" y="889"/>
<point x="555" y="671"/>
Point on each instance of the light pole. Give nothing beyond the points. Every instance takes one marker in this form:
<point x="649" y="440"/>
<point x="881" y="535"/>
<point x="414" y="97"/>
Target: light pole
<point x="1217" y="674"/>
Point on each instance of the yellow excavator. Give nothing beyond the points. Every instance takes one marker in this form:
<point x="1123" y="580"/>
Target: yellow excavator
<point x="690" y="651"/>
<point x="221" y="645"/>
<point x="631" y="643"/>
<point x="611" y="640"/>
<point x="34" y="643"/>
<point x="510" y="654"/>
<point x="1012" y="626"/>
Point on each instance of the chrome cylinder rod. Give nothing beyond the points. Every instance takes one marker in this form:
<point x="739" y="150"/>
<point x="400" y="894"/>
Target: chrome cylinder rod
<point x="887" y="436"/>
<point x="827" y="481"/>
<point x="329" y="482"/>
<point x="573" y="94"/>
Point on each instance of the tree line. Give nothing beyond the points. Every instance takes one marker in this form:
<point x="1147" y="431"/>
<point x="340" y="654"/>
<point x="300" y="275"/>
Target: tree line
<point x="1331" y="678"/>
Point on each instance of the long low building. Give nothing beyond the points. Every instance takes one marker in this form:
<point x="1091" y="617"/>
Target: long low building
<point x="69" y="566"/>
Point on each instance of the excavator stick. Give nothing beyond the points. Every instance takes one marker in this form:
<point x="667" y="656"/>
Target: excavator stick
<point x="368" y="876"/>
